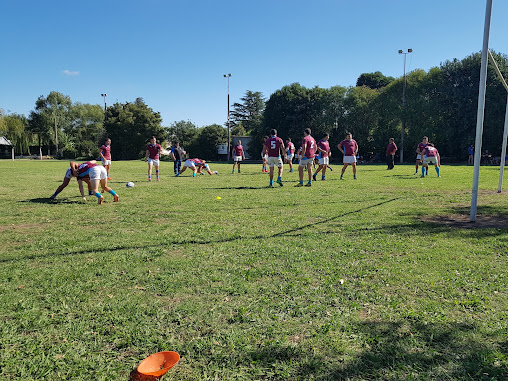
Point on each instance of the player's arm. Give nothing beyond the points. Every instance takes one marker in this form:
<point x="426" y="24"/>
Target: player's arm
<point x="356" y="149"/>
<point x="101" y="151"/>
<point x="265" y="150"/>
<point x="303" y="150"/>
<point x="147" y="153"/>
<point x="80" y="185"/>
<point x="283" y="150"/>
<point x="340" y="148"/>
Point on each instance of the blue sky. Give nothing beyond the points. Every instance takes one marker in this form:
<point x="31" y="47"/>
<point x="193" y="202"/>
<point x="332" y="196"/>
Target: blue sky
<point x="174" y="54"/>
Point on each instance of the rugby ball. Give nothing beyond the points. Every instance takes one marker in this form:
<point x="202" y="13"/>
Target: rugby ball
<point x="130" y="184"/>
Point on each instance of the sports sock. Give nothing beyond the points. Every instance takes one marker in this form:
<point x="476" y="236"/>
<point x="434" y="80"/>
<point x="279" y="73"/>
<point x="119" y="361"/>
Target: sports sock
<point x="322" y="177"/>
<point x="423" y="171"/>
<point x="98" y="195"/>
<point x="279" y="179"/>
<point x="194" y="175"/>
<point x="301" y="182"/>
<point x="310" y="182"/>
<point x="54" y="194"/>
<point x="438" y="171"/>
<point x="271" y="182"/>
<point x="112" y="192"/>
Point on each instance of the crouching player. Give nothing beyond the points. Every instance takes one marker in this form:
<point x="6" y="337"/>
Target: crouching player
<point x="197" y="166"/>
<point x="430" y="156"/>
<point x="97" y="174"/>
<point x="66" y="181"/>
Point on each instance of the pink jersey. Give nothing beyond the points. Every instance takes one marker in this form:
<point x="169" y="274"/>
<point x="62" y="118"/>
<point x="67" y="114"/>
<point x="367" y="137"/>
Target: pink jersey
<point x="325" y="146"/>
<point x="106" y="152"/>
<point x="310" y="149"/>
<point x="291" y="148"/>
<point x="197" y="162"/>
<point x="391" y="149"/>
<point x="238" y="150"/>
<point x="274" y="143"/>
<point x="430" y="151"/>
<point x="154" y="150"/>
<point x="421" y="147"/>
<point x="349" y="146"/>
<point x="84" y="168"/>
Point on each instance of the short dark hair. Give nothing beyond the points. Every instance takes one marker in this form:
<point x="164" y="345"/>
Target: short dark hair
<point x="391" y="139"/>
<point x="425" y="137"/>
<point x="307" y="131"/>
<point x="348" y="133"/>
<point x="326" y="135"/>
<point x="273" y="131"/>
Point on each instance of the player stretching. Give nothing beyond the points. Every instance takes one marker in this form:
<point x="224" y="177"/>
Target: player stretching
<point x="152" y="156"/>
<point x="273" y="147"/>
<point x="97" y="175"/>
<point x="430" y="156"/>
<point x="324" y="157"/>
<point x="290" y="147"/>
<point x="306" y="157"/>
<point x="238" y="155"/>
<point x="419" y="152"/>
<point x="106" y="155"/>
<point x="197" y="166"/>
<point x="349" y="147"/>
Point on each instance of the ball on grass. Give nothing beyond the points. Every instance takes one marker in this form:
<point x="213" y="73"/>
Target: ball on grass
<point x="130" y="184"/>
<point x="218" y="198"/>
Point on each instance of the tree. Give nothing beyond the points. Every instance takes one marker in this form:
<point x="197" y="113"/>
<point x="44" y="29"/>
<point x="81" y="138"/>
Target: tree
<point x="184" y="132"/>
<point x="374" y="80"/>
<point x="53" y="113"/>
<point x="249" y="112"/>
<point x="85" y="130"/>
<point x="209" y="137"/>
<point x="130" y="126"/>
<point x="13" y="127"/>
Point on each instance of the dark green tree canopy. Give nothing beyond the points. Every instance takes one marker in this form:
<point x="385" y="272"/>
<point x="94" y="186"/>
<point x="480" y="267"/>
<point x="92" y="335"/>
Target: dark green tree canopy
<point x="374" y="80"/>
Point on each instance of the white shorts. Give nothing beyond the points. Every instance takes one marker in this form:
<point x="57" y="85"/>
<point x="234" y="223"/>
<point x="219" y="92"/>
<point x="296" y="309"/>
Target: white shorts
<point x="274" y="161"/>
<point x="98" y="173"/>
<point x="349" y="159"/>
<point x="289" y="156"/>
<point x="430" y="160"/>
<point x="324" y="161"/>
<point x="106" y="162"/>
<point x="189" y="163"/>
<point x="304" y="161"/>
<point x="418" y="157"/>
<point x="153" y="161"/>
<point x="237" y="158"/>
<point x="264" y="157"/>
<point x="68" y="174"/>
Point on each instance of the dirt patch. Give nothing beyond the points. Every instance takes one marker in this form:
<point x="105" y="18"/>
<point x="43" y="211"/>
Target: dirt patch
<point x="462" y="221"/>
<point x="19" y="227"/>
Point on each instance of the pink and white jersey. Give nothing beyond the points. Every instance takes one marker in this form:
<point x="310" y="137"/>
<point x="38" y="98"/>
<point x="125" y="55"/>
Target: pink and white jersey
<point x="421" y="147"/>
<point x="84" y="168"/>
<point x="197" y="162"/>
<point x="291" y="148"/>
<point x="430" y="151"/>
<point x="106" y="152"/>
<point x="238" y="150"/>
<point x="154" y="150"/>
<point x="310" y="147"/>
<point x="325" y="146"/>
<point x="274" y="143"/>
<point x="349" y="147"/>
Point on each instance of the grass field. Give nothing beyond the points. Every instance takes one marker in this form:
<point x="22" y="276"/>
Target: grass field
<point x="381" y="278"/>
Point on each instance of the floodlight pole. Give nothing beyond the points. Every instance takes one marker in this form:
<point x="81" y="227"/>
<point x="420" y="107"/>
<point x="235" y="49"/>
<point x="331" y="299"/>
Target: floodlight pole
<point x="403" y="106"/>
<point x="229" y="148"/>
<point x="480" y="112"/>
<point x="104" y="96"/>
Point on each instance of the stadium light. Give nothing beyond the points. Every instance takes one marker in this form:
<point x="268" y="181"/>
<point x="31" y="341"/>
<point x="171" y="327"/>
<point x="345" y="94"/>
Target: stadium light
<point x="403" y="105"/>
<point x="104" y="96"/>
<point x="229" y="148"/>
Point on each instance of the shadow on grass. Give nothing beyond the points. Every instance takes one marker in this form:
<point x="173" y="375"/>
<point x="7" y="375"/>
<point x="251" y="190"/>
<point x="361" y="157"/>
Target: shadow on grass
<point x="46" y="200"/>
<point x="205" y="241"/>
<point x="405" y="349"/>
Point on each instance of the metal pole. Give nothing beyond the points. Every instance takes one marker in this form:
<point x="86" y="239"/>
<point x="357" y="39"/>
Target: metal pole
<point x="229" y="127"/>
<point x="503" y="150"/>
<point x="480" y="112"/>
<point x="403" y="114"/>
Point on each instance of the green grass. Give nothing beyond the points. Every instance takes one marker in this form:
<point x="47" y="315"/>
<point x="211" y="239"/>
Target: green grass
<point x="347" y="280"/>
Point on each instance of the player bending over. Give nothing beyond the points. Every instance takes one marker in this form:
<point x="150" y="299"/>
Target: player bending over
<point x="430" y="156"/>
<point x="97" y="174"/>
<point x="197" y="166"/>
<point x="66" y="181"/>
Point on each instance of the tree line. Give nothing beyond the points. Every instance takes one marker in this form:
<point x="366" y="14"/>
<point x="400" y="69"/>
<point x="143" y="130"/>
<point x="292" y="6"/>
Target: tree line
<point x="440" y="104"/>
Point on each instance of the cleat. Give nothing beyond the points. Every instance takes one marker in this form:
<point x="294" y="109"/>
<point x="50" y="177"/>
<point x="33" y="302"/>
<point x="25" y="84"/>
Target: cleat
<point x="291" y="170"/>
<point x="149" y="179"/>
<point x="299" y="185"/>
<point x="314" y="177"/>
<point x="342" y="177"/>
<point x="422" y="176"/>
<point x="280" y="182"/>
<point x="323" y="179"/>
<point x="158" y="179"/>
<point x="330" y="168"/>
<point x="109" y="178"/>
<point x="270" y="186"/>
<point x="116" y="198"/>
<point x="308" y="184"/>
<point x="100" y="201"/>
